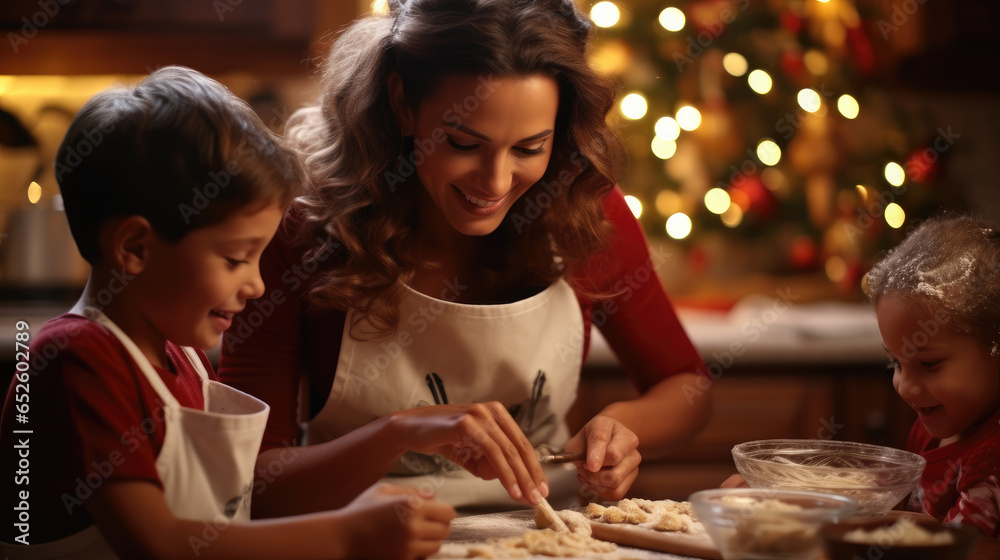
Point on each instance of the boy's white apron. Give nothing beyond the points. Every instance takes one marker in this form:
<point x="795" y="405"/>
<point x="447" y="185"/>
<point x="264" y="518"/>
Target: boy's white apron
<point x="526" y="355"/>
<point x="206" y="463"/>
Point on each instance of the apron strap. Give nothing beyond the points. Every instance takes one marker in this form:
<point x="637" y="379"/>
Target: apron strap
<point x="140" y="359"/>
<point x="199" y="367"/>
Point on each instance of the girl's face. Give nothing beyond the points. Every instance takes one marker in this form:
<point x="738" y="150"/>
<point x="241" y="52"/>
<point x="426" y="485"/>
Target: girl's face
<point x="950" y="379"/>
<point x="480" y="143"/>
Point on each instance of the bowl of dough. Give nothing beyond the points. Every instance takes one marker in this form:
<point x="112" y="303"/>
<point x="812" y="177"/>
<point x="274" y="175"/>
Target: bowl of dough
<point x="766" y="524"/>
<point x="875" y="477"/>
<point x="920" y="537"/>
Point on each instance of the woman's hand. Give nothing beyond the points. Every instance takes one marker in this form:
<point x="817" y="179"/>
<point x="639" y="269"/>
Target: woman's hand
<point x="483" y="438"/>
<point x="388" y="521"/>
<point x="612" y="457"/>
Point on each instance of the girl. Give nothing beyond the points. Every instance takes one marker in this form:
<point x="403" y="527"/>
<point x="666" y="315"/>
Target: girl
<point x="937" y="298"/>
<point x="460" y="234"/>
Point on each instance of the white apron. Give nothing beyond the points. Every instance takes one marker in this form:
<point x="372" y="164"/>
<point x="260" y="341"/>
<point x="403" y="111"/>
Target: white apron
<point x="206" y="463"/>
<point x="526" y="355"/>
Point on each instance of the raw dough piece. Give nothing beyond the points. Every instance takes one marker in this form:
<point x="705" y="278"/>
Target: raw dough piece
<point x="548" y="517"/>
<point x="544" y="542"/>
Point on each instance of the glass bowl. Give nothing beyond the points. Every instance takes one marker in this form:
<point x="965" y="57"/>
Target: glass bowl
<point x="885" y="538"/>
<point x="767" y="524"/>
<point x="875" y="477"/>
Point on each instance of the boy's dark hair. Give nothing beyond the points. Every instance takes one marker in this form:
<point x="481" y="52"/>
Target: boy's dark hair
<point x="178" y="149"/>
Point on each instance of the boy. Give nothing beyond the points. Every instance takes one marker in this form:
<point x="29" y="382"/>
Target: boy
<point x="172" y="190"/>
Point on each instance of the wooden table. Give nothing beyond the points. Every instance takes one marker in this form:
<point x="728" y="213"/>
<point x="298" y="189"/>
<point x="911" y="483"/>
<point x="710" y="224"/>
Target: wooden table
<point x="479" y="528"/>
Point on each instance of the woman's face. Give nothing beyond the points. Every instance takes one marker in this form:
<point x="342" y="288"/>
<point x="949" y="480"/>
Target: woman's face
<point x="950" y="379"/>
<point x="480" y="142"/>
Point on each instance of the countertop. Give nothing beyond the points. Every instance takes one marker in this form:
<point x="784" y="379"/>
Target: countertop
<point x="758" y="330"/>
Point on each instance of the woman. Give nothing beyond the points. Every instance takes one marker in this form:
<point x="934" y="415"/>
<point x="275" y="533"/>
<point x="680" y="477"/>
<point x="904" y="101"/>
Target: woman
<point x="436" y="286"/>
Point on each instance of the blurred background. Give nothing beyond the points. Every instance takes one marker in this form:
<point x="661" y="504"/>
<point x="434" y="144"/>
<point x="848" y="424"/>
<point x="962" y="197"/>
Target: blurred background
<point x="777" y="148"/>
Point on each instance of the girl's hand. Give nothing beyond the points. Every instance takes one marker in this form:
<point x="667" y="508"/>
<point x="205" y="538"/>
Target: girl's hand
<point x="483" y="438"/>
<point x="612" y="457"/>
<point x="388" y="521"/>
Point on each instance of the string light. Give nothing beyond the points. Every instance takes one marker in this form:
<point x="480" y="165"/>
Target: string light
<point x="894" y="215"/>
<point x="717" y="201"/>
<point x="848" y="106"/>
<point x="735" y="64"/>
<point x="678" y="225"/>
<point x="672" y="19"/>
<point x="809" y="100"/>
<point x="768" y="152"/>
<point x="688" y="117"/>
<point x="760" y="81"/>
<point x="633" y="106"/>
<point x="663" y="148"/>
<point x="667" y="128"/>
<point x="894" y="174"/>
<point x="605" y="14"/>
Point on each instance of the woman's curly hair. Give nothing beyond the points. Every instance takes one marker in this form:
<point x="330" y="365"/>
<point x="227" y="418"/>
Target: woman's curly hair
<point x="361" y="199"/>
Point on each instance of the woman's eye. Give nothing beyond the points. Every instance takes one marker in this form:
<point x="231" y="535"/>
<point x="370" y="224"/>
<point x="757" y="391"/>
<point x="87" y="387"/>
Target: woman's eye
<point x="461" y="147"/>
<point x="893" y="364"/>
<point x="531" y="151"/>
<point x="235" y="262"/>
<point x="930" y="364"/>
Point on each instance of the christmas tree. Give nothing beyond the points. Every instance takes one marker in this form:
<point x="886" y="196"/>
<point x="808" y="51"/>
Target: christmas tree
<point x="763" y="126"/>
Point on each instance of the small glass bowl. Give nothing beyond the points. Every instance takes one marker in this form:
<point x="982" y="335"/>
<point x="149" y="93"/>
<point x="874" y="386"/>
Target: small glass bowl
<point x="875" y="477"/>
<point x="765" y="524"/>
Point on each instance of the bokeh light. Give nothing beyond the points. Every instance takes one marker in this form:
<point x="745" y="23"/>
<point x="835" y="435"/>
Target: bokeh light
<point x="848" y="106"/>
<point x="735" y="64"/>
<point x="760" y="81"/>
<point x="605" y="14"/>
<point x="634" y="205"/>
<point x="768" y="152"/>
<point x="34" y="192"/>
<point x="717" y="201"/>
<point x="662" y="148"/>
<point x="678" y="225"/>
<point x="667" y="128"/>
<point x="672" y="19"/>
<point x="894" y="174"/>
<point x="634" y="106"/>
<point x="809" y="100"/>
<point x="894" y="215"/>
<point x="688" y="118"/>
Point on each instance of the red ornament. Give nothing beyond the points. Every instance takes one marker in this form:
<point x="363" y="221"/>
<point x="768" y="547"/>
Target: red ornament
<point x="803" y="252"/>
<point x="923" y="164"/>
<point x="792" y="22"/>
<point x="753" y="197"/>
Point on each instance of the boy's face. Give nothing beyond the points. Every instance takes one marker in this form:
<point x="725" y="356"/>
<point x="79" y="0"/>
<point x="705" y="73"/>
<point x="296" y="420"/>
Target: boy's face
<point x="949" y="379"/>
<point x="194" y="288"/>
